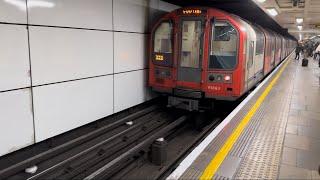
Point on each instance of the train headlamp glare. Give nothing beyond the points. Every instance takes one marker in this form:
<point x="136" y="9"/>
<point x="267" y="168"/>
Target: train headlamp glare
<point x="227" y="78"/>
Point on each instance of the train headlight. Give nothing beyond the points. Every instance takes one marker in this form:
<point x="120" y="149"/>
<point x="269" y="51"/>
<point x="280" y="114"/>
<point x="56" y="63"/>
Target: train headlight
<point x="227" y="78"/>
<point x="220" y="78"/>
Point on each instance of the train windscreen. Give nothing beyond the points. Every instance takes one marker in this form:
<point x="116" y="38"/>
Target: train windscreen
<point x="223" y="53"/>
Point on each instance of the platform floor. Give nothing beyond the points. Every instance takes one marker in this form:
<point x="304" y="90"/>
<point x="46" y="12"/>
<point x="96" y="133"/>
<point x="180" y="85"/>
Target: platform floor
<point x="275" y="135"/>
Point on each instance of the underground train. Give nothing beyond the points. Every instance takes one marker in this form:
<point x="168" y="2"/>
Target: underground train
<point x="199" y="55"/>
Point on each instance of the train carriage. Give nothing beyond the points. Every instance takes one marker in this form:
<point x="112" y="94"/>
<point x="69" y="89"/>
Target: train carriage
<point x="198" y="55"/>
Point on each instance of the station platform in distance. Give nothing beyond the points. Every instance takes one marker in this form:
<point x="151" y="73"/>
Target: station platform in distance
<point x="273" y="134"/>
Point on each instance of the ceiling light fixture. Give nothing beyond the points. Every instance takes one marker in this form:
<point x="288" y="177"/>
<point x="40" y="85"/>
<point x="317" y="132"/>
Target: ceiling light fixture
<point x="299" y="27"/>
<point x="261" y="1"/>
<point x="299" y="20"/>
<point x="272" y="11"/>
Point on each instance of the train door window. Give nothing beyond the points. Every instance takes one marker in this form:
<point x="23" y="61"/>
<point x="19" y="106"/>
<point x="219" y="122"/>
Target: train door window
<point x="191" y="44"/>
<point x="250" y="62"/>
<point x="224" y="42"/>
<point x="259" y="41"/>
<point x="163" y="38"/>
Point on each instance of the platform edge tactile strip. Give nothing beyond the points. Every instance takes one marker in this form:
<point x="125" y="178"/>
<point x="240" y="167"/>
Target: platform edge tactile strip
<point x="262" y="159"/>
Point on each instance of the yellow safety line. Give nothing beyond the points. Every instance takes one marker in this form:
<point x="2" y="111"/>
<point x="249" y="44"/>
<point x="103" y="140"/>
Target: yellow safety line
<point x="215" y="163"/>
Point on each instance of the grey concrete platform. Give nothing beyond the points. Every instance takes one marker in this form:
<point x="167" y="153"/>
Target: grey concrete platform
<point x="282" y="139"/>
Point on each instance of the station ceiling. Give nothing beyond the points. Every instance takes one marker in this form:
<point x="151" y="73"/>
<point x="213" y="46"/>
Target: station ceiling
<point x="251" y="10"/>
<point x="309" y="10"/>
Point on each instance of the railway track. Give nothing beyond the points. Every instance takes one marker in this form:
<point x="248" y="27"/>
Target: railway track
<point x="121" y="149"/>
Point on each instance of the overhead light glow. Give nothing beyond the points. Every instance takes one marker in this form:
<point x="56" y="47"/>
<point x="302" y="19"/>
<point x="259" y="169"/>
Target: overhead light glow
<point x="261" y="1"/>
<point x="299" y="20"/>
<point x="19" y="4"/>
<point x="40" y="3"/>
<point x="299" y="27"/>
<point x="272" y="11"/>
<point x="31" y="3"/>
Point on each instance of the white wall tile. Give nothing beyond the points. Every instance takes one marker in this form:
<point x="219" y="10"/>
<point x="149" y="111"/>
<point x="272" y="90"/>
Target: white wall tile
<point x="153" y="4"/>
<point x="167" y="7"/>
<point x="130" y="89"/>
<point x="130" y="15"/>
<point x="129" y="51"/>
<point x="65" y="106"/>
<point x="13" y="11"/>
<point x="94" y="14"/>
<point x="14" y="57"/>
<point x="157" y="9"/>
<point x="60" y="54"/>
<point x="16" y="120"/>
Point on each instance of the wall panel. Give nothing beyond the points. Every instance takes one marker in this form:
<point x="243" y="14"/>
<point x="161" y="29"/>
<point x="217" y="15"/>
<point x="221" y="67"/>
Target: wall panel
<point x="14" y="57"/>
<point x="92" y="14"/>
<point x="65" y="106"/>
<point x="13" y="11"/>
<point x="61" y="54"/>
<point x="130" y="51"/>
<point x="130" y="89"/>
<point x="130" y="15"/>
<point x="16" y="120"/>
<point x="167" y="7"/>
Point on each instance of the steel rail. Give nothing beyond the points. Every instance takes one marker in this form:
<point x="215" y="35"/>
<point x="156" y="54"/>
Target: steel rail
<point x="100" y="173"/>
<point x="87" y="151"/>
<point x="12" y="170"/>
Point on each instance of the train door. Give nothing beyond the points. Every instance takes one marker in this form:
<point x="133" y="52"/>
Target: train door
<point x="189" y="67"/>
<point x="273" y="51"/>
<point x="250" y="66"/>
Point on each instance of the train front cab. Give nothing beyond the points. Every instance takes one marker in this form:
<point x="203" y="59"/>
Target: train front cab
<point x="194" y="58"/>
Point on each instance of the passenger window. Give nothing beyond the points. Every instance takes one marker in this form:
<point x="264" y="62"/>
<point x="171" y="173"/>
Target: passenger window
<point x="223" y="53"/>
<point x="163" y="38"/>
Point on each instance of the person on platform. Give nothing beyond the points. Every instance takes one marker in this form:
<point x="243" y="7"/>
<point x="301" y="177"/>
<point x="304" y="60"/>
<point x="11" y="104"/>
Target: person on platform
<point x="317" y="52"/>
<point x="298" y="50"/>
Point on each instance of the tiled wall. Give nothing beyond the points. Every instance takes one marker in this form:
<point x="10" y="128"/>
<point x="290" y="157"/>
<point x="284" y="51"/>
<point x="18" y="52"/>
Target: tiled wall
<point x="64" y="64"/>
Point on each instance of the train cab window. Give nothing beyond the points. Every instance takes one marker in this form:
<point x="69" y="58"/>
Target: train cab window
<point x="223" y="53"/>
<point x="163" y="38"/>
<point x="191" y="44"/>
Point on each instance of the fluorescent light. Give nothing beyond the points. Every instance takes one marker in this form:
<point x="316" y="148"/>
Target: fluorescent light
<point x="299" y="20"/>
<point x="261" y="1"/>
<point x="299" y="27"/>
<point x="300" y="37"/>
<point x="272" y="11"/>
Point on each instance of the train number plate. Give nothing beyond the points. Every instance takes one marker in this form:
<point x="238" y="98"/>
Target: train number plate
<point x="215" y="88"/>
